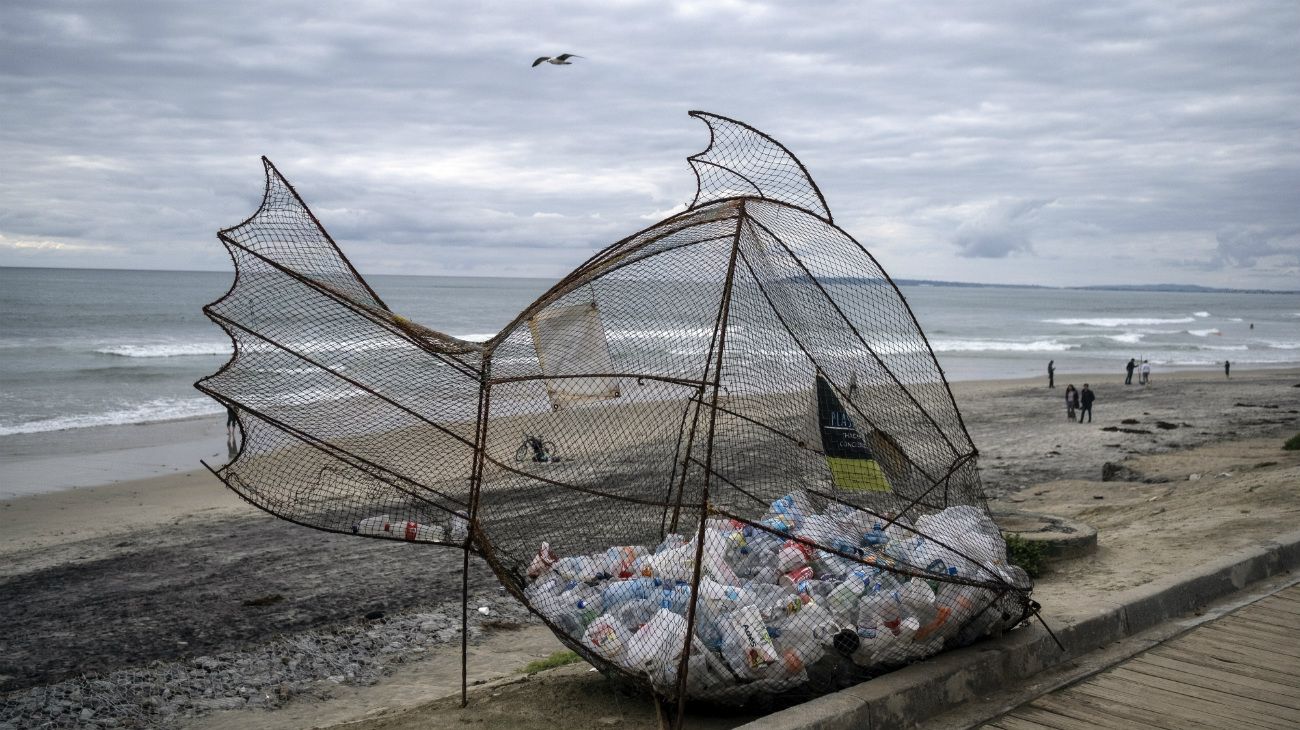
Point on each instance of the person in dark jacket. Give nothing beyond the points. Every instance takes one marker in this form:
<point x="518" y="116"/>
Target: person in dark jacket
<point x="1051" y="373"/>
<point x="1227" y="369"/>
<point x="1086" y="397"/>
<point x="1128" y="369"/>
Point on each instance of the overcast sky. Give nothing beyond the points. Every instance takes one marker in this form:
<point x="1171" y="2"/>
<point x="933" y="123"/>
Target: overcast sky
<point x="1020" y="142"/>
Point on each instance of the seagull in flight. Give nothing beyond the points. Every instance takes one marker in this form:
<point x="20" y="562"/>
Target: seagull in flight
<point x="560" y="60"/>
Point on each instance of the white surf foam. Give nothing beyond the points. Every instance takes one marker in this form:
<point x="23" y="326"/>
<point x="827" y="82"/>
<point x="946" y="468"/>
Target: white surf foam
<point x="162" y="409"/>
<point x="946" y="345"/>
<point x="1129" y="338"/>
<point x="167" y="349"/>
<point x="1204" y="333"/>
<point x="1117" y="321"/>
<point x="1200" y="314"/>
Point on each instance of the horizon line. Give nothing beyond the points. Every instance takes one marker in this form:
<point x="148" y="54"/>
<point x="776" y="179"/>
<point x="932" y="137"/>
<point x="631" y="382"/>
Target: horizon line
<point x="901" y="280"/>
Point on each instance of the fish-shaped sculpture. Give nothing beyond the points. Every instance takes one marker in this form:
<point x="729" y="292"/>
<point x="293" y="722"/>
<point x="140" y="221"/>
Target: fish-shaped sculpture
<point x="719" y="458"/>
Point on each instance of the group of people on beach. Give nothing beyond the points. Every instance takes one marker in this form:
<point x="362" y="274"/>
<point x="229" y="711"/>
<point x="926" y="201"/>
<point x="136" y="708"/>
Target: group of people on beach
<point x="1144" y="373"/>
<point x="1080" y="400"/>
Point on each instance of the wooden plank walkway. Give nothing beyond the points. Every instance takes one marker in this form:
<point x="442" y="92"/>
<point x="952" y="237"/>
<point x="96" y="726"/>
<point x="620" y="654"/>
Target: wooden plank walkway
<point x="1240" y="671"/>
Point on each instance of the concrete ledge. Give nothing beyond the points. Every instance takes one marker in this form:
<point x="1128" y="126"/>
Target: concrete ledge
<point x="1060" y="538"/>
<point x="908" y="696"/>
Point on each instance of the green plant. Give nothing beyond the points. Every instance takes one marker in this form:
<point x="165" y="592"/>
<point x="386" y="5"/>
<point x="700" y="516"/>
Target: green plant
<point x="1293" y="443"/>
<point x="1028" y="554"/>
<point x="558" y="659"/>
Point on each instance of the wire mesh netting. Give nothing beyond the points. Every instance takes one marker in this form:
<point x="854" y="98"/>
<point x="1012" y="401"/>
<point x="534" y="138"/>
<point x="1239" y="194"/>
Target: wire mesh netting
<point x="719" y="458"/>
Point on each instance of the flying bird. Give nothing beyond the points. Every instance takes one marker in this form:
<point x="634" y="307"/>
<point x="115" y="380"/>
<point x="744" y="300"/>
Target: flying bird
<point x="560" y="60"/>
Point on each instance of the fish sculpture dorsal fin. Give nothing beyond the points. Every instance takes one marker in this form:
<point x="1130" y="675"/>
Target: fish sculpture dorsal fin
<point x="742" y="161"/>
<point x="285" y="233"/>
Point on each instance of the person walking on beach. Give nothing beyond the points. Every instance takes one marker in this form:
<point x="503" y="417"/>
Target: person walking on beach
<point x="1227" y="368"/>
<point x="1051" y="373"/>
<point x="1129" y="368"/>
<point x="1071" y="401"/>
<point x="1085" y="403"/>
<point x="1146" y="373"/>
<point x="232" y="432"/>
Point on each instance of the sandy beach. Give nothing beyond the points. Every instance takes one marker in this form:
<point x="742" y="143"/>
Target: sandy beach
<point x="174" y="572"/>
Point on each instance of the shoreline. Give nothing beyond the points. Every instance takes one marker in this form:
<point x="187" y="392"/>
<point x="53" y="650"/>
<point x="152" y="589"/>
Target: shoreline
<point x="81" y="458"/>
<point x="177" y="569"/>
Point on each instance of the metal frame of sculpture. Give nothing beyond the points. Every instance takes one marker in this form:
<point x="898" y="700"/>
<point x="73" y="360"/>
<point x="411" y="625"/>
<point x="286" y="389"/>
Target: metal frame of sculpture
<point x="743" y="407"/>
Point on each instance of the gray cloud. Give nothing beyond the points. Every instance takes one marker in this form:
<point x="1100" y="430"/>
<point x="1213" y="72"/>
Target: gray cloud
<point x="998" y="230"/>
<point x="1244" y="246"/>
<point x="418" y="132"/>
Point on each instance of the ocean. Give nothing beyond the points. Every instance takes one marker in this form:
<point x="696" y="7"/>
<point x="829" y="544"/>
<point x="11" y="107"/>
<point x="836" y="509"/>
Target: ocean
<point x="82" y="348"/>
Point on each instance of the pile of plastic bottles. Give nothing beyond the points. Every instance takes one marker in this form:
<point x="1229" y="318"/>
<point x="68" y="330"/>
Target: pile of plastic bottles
<point x="769" y="607"/>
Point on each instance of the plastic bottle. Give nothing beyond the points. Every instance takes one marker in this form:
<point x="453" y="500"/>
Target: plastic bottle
<point x="618" y="591"/>
<point x="761" y="560"/>
<point x="869" y="641"/>
<point x="843" y="598"/>
<point x="705" y="673"/>
<point x="792" y="506"/>
<point x="676" y="598"/>
<point x="458" y="529"/>
<point x="724" y="597"/>
<point x="607" y="638"/>
<point x="580" y="567"/>
<point x="773" y="602"/>
<point x="656" y="644"/>
<point x="617" y="562"/>
<point x="746" y="645"/>
<point x="634" y="614"/>
<point x="555" y="609"/>
<point x="585" y="602"/>
<point x="917" y="598"/>
<point x="542" y="561"/>
<point x="881" y="609"/>
<point x="875" y="535"/>
<point x="715" y="558"/>
<point x="670" y="565"/>
<point x="808" y="632"/>
<point x="830" y="564"/>
<point x="372" y="526"/>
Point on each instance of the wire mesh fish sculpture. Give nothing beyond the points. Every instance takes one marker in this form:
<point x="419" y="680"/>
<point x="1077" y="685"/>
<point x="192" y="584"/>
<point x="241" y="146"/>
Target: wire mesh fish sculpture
<point x="719" y="459"/>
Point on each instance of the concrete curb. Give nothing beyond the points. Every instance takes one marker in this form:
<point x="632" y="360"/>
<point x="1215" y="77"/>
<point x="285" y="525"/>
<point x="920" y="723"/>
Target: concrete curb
<point x="908" y="696"/>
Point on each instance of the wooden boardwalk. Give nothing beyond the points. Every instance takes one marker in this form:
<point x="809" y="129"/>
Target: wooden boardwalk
<point x="1240" y="671"/>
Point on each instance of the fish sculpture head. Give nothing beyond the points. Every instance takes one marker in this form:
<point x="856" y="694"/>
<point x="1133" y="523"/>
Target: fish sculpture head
<point x="725" y="432"/>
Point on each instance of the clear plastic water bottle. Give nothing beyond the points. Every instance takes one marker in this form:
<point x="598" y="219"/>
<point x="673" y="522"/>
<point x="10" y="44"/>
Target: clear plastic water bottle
<point x="843" y="598"/>
<point x="676" y="598"/>
<point x="619" y="591"/>
<point x="585" y="603"/>
<point x="373" y="526"/>
<point x="634" y="614"/>
<point x="579" y="567"/>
